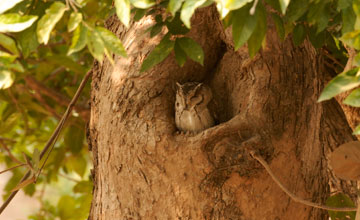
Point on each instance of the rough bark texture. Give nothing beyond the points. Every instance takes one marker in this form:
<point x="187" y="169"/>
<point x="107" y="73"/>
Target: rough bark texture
<point x="144" y="169"/>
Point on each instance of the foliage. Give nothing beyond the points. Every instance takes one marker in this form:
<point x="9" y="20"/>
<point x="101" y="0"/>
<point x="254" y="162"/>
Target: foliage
<point x="46" y="47"/>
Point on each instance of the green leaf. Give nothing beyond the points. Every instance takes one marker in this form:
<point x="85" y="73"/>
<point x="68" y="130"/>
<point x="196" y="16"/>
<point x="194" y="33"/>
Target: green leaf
<point x="354" y="98"/>
<point x="8" y="4"/>
<point x="112" y="43"/>
<point x="341" y="200"/>
<point x="176" y="26"/>
<point x="341" y="83"/>
<point x="74" y="139"/>
<point x="15" y="22"/>
<point x="342" y="4"/>
<point x="317" y="39"/>
<point x="180" y="55"/>
<point x="160" y="52"/>
<point x="156" y="29"/>
<point x="96" y="45"/>
<point x="74" y="21"/>
<point x="188" y="10"/>
<point x="142" y="3"/>
<point x="192" y="49"/>
<point x="243" y="26"/>
<point x="62" y="60"/>
<point x="123" y="11"/>
<point x="235" y="4"/>
<point x="279" y="25"/>
<point x="36" y="159"/>
<point x="16" y="66"/>
<point x="77" y="163"/>
<point x="348" y="20"/>
<point x="139" y="13"/>
<point x="296" y="9"/>
<point x="283" y="5"/>
<point x="47" y="22"/>
<point x="28" y="40"/>
<point x="299" y="34"/>
<point x="6" y="78"/>
<point x="255" y="40"/>
<point x="319" y="14"/>
<point x="357" y="130"/>
<point x="78" y="41"/>
<point x="352" y="39"/>
<point x="67" y="207"/>
<point x="83" y="187"/>
<point x="9" y="44"/>
<point x="174" y="6"/>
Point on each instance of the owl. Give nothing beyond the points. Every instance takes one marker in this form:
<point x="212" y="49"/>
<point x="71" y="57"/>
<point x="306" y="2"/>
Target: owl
<point x="191" y="107"/>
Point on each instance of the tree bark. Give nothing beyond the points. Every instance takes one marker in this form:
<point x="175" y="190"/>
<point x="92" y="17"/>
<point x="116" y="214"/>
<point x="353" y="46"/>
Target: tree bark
<point x="145" y="169"/>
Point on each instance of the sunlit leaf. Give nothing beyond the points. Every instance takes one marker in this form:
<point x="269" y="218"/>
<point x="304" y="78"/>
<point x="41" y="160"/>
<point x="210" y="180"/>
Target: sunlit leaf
<point x="14" y="22"/>
<point x="142" y="3"/>
<point x="354" y="98"/>
<point x="345" y="161"/>
<point x="192" y="49"/>
<point x="78" y="41"/>
<point x="283" y="5"/>
<point x="112" y="43"/>
<point x="96" y="45"/>
<point x="74" y="21"/>
<point x="341" y="83"/>
<point x="243" y="26"/>
<point x="123" y="11"/>
<point x="160" y="52"/>
<point x="8" y="4"/>
<point x="357" y="130"/>
<point x="6" y="78"/>
<point x="9" y="44"/>
<point x="235" y="4"/>
<point x="174" y="6"/>
<point x="352" y="39"/>
<point x="47" y="22"/>
<point x="340" y="200"/>
<point x="188" y="10"/>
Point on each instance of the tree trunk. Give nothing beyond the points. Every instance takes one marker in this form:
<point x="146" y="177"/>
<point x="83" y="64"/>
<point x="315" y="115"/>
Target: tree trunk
<point x="145" y="169"/>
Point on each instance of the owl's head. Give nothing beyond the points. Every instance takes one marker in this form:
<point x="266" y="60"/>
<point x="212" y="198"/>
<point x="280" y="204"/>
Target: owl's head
<point x="188" y="95"/>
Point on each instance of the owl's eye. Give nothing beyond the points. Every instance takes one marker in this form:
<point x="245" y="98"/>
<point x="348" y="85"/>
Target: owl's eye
<point x="177" y="104"/>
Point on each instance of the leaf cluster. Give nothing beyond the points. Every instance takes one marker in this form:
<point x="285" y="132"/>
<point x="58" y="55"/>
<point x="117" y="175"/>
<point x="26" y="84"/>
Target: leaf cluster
<point x="46" y="46"/>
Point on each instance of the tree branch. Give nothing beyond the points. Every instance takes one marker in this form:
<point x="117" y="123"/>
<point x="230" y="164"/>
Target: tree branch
<point x="59" y="98"/>
<point x="293" y="196"/>
<point x="49" y="145"/>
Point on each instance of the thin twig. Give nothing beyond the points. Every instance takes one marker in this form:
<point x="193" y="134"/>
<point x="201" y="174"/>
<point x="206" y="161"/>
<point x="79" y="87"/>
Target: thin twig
<point x="13" y="158"/>
<point x="21" y="110"/>
<point x="39" y="97"/>
<point x="293" y="196"/>
<point x="14" y="167"/>
<point x="7" y="139"/>
<point x="53" y="138"/>
<point x="69" y="178"/>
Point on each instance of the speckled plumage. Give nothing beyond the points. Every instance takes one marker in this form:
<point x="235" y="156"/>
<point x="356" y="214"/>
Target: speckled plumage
<point x="191" y="107"/>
